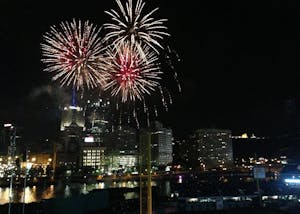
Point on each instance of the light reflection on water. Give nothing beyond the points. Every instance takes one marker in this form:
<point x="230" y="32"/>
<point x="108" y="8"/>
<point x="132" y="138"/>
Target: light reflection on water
<point x="37" y="193"/>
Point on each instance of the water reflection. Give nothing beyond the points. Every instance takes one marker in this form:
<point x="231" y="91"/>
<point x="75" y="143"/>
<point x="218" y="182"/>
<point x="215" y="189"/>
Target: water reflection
<point x="84" y="189"/>
<point x="67" y="191"/>
<point x="48" y="193"/>
<point x="30" y="194"/>
<point x="180" y="179"/>
<point x="37" y="193"/>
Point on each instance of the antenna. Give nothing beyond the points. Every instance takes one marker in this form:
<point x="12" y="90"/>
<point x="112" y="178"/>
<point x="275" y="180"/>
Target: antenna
<point x="73" y="97"/>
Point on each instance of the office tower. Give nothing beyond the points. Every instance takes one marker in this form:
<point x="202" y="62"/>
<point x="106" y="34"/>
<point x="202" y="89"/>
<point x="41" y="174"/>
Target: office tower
<point x="211" y="148"/>
<point x="72" y="127"/>
<point x="162" y="145"/>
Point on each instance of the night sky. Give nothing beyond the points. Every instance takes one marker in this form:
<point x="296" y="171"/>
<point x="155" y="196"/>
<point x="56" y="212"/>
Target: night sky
<point x="238" y="68"/>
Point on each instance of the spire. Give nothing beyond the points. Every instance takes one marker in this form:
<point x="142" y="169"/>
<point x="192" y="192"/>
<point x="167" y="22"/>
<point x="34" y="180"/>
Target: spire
<point x="73" y="97"/>
<point x="74" y="112"/>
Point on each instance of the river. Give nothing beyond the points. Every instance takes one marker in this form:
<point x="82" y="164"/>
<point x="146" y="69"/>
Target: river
<point x="38" y="193"/>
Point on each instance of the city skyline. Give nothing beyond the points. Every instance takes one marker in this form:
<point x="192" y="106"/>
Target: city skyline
<point x="236" y="63"/>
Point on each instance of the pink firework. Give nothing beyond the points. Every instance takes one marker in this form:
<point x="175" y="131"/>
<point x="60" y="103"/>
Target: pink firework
<point x="129" y="74"/>
<point x="72" y="52"/>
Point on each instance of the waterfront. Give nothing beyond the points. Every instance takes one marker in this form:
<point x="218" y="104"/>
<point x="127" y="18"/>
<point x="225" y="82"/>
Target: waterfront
<point x="185" y="192"/>
<point x="184" y="185"/>
<point x="38" y="193"/>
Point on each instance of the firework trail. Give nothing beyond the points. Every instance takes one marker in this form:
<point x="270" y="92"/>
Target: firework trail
<point x="72" y="53"/>
<point x="130" y="24"/>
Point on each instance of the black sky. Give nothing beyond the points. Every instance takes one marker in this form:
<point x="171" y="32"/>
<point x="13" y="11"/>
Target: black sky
<point x="238" y="69"/>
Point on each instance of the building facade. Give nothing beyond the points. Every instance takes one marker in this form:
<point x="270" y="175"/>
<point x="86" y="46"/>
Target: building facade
<point x="211" y="149"/>
<point x="67" y="149"/>
<point x="92" y="155"/>
<point x="162" y="145"/>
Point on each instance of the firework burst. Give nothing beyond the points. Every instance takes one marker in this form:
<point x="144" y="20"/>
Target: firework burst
<point x="130" y="24"/>
<point x="129" y="75"/>
<point x="72" y="52"/>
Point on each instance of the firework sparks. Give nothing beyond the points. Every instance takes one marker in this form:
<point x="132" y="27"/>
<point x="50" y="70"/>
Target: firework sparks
<point x="129" y="75"/>
<point x="131" y="25"/>
<point x="72" y="52"/>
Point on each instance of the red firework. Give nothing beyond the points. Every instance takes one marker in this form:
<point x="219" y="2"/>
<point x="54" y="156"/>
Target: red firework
<point x="131" y="74"/>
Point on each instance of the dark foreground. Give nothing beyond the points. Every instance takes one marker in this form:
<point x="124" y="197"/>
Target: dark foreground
<point x="242" y="211"/>
<point x="33" y="209"/>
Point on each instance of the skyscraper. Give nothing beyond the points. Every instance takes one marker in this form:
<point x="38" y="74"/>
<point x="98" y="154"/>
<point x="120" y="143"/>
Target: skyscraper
<point x="72" y="115"/>
<point x="162" y="145"/>
<point x="98" y="119"/>
<point x="211" y="148"/>
<point x="121" y="148"/>
<point x="118" y="141"/>
<point x="72" y="127"/>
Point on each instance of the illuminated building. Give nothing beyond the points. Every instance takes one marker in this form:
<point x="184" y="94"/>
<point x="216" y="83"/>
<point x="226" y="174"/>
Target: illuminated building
<point x="92" y="155"/>
<point x="119" y="141"/>
<point x="6" y="134"/>
<point x="246" y="136"/>
<point x="211" y="148"/>
<point x="128" y="160"/>
<point x="122" y="138"/>
<point x="122" y="148"/>
<point x="72" y="127"/>
<point x="72" y="115"/>
<point x="98" y="119"/>
<point x="4" y="140"/>
<point x="179" y="148"/>
<point x="40" y="159"/>
<point x="121" y="161"/>
<point x="162" y="148"/>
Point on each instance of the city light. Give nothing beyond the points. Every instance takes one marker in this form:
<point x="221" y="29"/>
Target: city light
<point x="292" y="180"/>
<point x="28" y="165"/>
<point x="229" y="142"/>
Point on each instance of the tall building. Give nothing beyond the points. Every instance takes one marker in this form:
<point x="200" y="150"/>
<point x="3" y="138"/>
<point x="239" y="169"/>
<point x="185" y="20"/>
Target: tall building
<point x="211" y="148"/>
<point x="5" y="140"/>
<point x="70" y="116"/>
<point x="98" y="119"/>
<point x="162" y="145"/>
<point x="119" y="141"/>
<point x="11" y="134"/>
<point x="72" y="127"/>
<point x="181" y="153"/>
<point x="121" y="148"/>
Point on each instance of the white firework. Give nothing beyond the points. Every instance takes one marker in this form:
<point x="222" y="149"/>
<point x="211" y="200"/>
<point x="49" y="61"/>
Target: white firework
<point x="72" y="52"/>
<point x="130" y="24"/>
